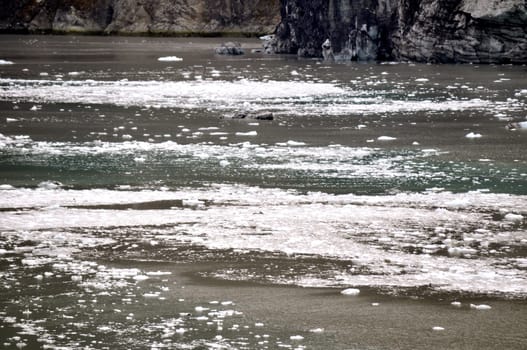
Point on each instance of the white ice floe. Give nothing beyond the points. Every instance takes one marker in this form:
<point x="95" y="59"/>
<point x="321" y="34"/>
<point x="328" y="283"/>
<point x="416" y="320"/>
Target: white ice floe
<point x="480" y="307"/>
<point x="6" y="62"/>
<point x="513" y="217"/>
<point x="248" y="133"/>
<point x="386" y="138"/>
<point x="170" y="59"/>
<point x="317" y="330"/>
<point x="328" y="225"/>
<point x="438" y="328"/>
<point x="291" y="97"/>
<point x="350" y="291"/>
<point x="473" y="135"/>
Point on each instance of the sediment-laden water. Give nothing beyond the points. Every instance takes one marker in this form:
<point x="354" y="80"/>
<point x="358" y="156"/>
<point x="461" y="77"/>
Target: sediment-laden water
<point x="132" y="200"/>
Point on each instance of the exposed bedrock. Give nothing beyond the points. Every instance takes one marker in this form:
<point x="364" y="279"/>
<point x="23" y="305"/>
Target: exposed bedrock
<point x="141" y="16"/>
<point x="479" y="31"/>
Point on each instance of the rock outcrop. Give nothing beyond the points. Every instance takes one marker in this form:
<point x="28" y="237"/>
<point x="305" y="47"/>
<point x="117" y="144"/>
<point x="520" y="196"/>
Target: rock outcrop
<point x="183" y="17"/>
<point x="443" y="31"/>
<point x="480" y="31"/>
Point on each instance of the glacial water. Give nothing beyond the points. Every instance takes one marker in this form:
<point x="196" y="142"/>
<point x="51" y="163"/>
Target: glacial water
<point x="137" y="213"/>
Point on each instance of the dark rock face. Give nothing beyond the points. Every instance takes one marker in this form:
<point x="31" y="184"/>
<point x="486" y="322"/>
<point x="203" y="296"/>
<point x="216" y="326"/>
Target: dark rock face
<point x="485" y="31"/>
<point x="230" y="48"/>
<point x="141" y="16"/>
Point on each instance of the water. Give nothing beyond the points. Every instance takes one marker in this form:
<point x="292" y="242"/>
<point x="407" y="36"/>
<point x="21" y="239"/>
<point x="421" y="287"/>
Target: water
<point x="135" y="212"/>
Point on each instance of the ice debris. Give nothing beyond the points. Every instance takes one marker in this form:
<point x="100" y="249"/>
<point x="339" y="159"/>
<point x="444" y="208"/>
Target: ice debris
<point x="350" y="291"/>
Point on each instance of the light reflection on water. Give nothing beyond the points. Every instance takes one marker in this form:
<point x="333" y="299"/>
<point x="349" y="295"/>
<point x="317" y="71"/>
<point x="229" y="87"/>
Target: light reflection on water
<point x="121" y="176"/>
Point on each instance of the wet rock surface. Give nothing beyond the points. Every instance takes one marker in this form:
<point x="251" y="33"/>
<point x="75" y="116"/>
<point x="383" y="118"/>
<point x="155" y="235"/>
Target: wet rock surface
<point x="230" y="48"/>
<point x="479" y="31"/>
<point x="140" y="17"/>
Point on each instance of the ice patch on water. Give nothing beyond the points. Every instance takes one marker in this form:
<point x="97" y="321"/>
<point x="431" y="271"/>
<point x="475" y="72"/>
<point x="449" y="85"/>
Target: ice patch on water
<point x="373" y="232"/>
<point x="170" y="59"/>
<point x="6" y="62"/>
<point x="351" y="291"/>
<point x="291" y="97"/>
<point x="473" y="135"/>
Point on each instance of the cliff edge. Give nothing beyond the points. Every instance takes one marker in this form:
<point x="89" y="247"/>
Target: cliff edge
<point x="442" y="31"/>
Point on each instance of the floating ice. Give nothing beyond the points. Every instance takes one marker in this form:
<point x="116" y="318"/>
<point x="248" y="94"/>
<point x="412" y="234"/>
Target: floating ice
<point x="350" y="291"/>
<point x="317" y="330"/>
<point x="472" y="135"/>
<point x="249" y="133"/>
<point x="292" y="97"/>
<point x="296" y="337"/>
<point x="386" y="138"/>
<point x="480" y="307"/>
<point x="170" y="59"/>
<point x="437" y="328"/>
<point x="456" y="304"/>
<point x="513" y="217"/>
<point x="6" y="62"/>
<point x="50" y="185"/>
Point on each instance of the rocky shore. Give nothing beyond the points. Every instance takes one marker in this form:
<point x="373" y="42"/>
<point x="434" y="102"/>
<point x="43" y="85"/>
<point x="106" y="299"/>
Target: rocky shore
<point x="435" y="31"/>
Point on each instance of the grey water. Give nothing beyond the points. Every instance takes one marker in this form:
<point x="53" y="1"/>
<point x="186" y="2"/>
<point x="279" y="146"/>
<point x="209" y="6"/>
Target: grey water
<point x="137" y="211"/>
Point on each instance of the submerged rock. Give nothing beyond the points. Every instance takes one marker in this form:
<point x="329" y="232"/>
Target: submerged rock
<point x="230" y="48"/>
<point x="251" y="115"/>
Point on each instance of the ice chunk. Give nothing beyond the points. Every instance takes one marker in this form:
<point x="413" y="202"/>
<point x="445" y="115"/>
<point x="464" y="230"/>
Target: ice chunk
<point x="6" y="62"/>
<point x="249" y="133"/>
<point x="170" y="59"/>
<point x="472" y="135"/>
<point x="437" y="328"/>
<point x="386" y="138"/>
<point x="480" y="307"/>
<point x="317" y="330"/>
<point x="513" y="217"/>
<point x="350" y="291"/>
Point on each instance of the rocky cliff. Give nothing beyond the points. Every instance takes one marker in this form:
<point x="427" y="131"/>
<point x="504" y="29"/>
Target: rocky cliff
<point x="484" y="31"/>
<point x="140" y="16"/>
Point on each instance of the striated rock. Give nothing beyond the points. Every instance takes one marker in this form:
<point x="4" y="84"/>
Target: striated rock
<point x="480" y="31"/>
<point x="181" y="17"/>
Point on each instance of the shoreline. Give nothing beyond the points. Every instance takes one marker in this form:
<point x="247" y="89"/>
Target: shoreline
<point x="190" y="34"/>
